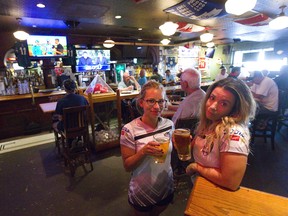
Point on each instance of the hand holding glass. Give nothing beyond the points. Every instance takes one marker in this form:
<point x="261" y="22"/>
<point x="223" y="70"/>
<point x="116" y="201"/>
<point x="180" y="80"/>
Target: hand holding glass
<point x="163" y="140"/>
<point x="182" y="143"/>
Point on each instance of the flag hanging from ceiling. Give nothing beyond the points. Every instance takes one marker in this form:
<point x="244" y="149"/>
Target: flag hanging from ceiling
<point x="139" y="1"/>
<point x="189" y="27"/>
<point x="255" y="20"/>
<point x="197" y="9"/>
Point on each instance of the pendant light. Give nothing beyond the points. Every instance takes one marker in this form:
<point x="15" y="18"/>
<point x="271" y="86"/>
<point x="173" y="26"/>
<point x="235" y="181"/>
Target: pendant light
<point x="165" y="41"/>
<point x="281" y="21"/>
<point x="19" y="34"/>
<point x="206" y="37"/>
<point x="168" y="28"/>
<point x="210" y="44"/>
<point x="109" y="43"/>
<point x="239" y="7"/>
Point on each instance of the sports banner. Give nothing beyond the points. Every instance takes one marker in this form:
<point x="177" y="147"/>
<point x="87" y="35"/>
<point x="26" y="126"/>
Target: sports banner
<point x="197" y="9"/>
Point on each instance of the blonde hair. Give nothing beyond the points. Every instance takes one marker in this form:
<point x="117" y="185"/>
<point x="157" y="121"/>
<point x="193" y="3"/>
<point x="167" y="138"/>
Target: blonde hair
<point x="243" y="110"/>
<point x="151" y="84"/>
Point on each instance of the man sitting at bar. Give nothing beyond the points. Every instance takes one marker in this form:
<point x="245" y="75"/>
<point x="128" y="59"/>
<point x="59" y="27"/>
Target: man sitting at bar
<point x="128" y="83"/>
<point x="190" y="82"/>
<point x="71" y="99"/>
<point x="265" y="92"/>
<point x="235" y="72"/>
<point x="169" y="78"/>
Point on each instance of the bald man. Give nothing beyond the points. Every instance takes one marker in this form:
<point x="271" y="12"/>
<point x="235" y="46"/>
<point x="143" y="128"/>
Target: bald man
<point x="128" y="83"/>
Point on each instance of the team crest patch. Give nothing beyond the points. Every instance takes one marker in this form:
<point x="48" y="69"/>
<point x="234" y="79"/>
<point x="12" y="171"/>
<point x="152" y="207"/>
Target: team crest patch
<point x="235" y="137"/>
<point x="124" y="130"/>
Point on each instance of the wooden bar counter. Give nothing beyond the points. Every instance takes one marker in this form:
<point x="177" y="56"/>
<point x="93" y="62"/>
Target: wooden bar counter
<point x="208" y="199"/>
<point x="21" y="114"/>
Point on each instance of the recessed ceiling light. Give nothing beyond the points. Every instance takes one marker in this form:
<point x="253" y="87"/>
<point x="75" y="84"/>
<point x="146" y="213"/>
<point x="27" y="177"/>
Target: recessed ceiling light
<point x="118" y="17"/>
<point x="140" y="29"/>
<point x="40" y="5"/>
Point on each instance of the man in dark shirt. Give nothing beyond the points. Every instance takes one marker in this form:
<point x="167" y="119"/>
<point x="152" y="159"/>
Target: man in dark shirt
<point x="235" y="72"/>
<point x="58" y="48"/>
<point x="70" y="100"/>
<point x="85" y="59"/>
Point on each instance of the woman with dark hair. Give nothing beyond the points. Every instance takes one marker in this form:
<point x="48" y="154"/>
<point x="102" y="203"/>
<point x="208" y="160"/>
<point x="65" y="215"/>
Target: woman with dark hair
<point x="221" y="144"/>
<point x="151" y="185"/>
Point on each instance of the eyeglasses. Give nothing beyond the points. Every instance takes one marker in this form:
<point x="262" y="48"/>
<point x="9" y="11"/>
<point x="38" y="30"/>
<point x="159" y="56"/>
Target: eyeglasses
<point x="151" y="102"/>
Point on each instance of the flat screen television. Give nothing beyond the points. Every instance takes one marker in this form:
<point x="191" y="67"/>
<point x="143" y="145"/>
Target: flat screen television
<point x="209" y="52"/>
<point x="92" y="59"/>
<point x="40" y="46"/>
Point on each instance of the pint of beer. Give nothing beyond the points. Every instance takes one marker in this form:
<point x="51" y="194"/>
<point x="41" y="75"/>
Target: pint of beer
<point x="182" y="143"/>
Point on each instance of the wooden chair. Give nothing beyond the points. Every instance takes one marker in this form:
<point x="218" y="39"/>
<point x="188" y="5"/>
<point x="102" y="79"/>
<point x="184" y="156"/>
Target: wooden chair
<point x="266" y="130"/>
<point x="174" y="98"/>
<point x="283" y="106"/>
<point x="75" y="138"/>
<point x="190" y="123"/>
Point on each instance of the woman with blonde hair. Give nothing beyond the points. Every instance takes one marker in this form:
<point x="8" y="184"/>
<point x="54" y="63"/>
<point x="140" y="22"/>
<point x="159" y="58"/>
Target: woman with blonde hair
<point x="151" y="185"/>
<point x="221" y="144"/>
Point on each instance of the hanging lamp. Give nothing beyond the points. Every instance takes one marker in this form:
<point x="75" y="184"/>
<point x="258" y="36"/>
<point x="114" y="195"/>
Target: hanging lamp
<point x="19" y="34"/>
<point x="168" y="28"/>
<point x="238" y="7"/>
<point x="281" y="21"/>
<point x="109" y="43"/>
<point x="206" y="37"/>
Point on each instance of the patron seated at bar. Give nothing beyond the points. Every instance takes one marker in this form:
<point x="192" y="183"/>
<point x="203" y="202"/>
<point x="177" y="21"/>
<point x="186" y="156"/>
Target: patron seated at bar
<point x="156" y="76"/>
<point x="190" y="82"/>
<point x="223" y="73"/>
<point x="221" y="144"/>
<point x="71" y="99"/>
<point x="128" y="83"/>
<point x="265" y="92"/>
<point x="143" y="79"/>
<point x="169" y="78"/>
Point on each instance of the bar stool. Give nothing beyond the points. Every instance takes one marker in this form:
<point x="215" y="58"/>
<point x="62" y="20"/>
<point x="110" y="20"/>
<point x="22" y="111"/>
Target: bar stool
<point x="76" y="148"/>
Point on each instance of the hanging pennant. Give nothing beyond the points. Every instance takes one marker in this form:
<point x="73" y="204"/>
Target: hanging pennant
<point x="189" y="27"/>
<point x="255" y="20"/>
<point x="197" y="9"/>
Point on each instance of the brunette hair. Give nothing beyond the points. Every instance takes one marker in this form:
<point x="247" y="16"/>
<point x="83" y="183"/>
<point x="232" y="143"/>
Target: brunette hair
<point x="151" y="84"/>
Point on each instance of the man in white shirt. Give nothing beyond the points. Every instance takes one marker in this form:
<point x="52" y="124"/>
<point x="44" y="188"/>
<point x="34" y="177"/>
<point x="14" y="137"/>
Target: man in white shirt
<point x="222" y="74"/>
<point x="265" y="92"/>
<point x="190" y="82"/>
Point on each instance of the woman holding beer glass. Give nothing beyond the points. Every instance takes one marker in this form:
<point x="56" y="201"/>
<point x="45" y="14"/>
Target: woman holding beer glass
<point x="151" y="185"/>
<point x="221" y="144"/>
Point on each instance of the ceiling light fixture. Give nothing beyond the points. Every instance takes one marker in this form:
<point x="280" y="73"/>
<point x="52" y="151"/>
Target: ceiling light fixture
<point x="206" y="37"/>
<point x="281" y="21"/>
<point x="237" y="8"/>
<point x="109" y="43"/>
<point x="165" y="41"/>
<point x="19" y="34"/>
<point x="40" y="5"/>
<point x="210" y="44"/>
<point x="168" y="28"/>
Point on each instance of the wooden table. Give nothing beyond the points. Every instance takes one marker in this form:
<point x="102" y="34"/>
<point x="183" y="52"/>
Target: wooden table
<point x="208" y="199"/>
<point x="48" y="107"/>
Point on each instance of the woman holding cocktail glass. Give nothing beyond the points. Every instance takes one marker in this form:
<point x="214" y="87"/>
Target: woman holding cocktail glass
<point x="151" y="185"/>
<point x="221" y="144"/>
